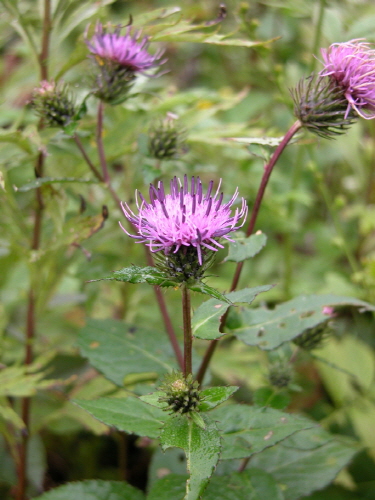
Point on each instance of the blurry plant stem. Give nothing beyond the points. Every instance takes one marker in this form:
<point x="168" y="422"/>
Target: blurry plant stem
<point x="35" y="244"/>
<point x="290" y="215"/>
<point x="188" y="334"/>
<point x="318" y="32"/>
<point x="250" y="229"/>
<point x="87" y="158"/>
<point x="336" y="222"/>
<point x="370" y="184"/>
<point x="150" y="261"/>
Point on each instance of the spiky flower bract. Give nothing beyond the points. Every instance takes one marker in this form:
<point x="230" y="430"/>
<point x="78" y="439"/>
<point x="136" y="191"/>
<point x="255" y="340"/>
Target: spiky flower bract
<point x="351" y="66"/>
<point x="165" y="138"/>
<point x="54" y="104"/>
<point x="185" y="224"/>
<point x="321" y="106"/>
<point x="118" y="58"/>
<point x="181" y="394"/>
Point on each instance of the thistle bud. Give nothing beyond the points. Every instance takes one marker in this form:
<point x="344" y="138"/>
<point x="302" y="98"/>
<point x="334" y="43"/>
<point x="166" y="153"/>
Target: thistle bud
<point x="182" y="395"/>
<point x="280" y="375"/>
<point x="312" y="338"/>
<point x="165" y="138"/>
<point x="54" y="104"/>
<point x="321" y="106"/>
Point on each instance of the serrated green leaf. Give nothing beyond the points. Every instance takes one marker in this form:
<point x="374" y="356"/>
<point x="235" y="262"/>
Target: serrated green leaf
<point x="130" y="415"/>
<point x="206" y="319"/>
<point x="247" y="430"/>
<point x="201" y="446"/>
<point x="94" y="490"/>
<point x="261" y="141"/>
<point x="153" y="399"/>
<point x="243" y="248"/>
<point x="269" y="329"/>
<point x="213" y="396"/>
<point x="117" y="349"/>
<point x="136" y="274"/>
<point x="41" y="181"/>
<point x="252" y="484"/>
<point x="208" y="290"/>
<point x="307" y="461"/>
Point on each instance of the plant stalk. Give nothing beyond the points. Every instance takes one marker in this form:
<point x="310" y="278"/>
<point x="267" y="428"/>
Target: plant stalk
<point x="188" y="334"/>
<point x="87" y="158"/>
<point x="35" y="244"/>
<point x="250" y="228"/>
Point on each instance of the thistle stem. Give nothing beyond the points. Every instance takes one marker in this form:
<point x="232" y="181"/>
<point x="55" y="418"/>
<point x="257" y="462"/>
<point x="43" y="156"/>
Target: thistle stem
<point x="159" y="296"/>
<point x="35" y="244"/>
<point x="250" y="228"/>
<point x="87" y="158"/>
<point x="188" y="334"/>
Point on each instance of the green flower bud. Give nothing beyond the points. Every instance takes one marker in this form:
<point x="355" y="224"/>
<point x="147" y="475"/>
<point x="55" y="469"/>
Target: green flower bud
<point x="166" y="138"/>
<point x="54" y="104"/>
<point x="182" y="395"/>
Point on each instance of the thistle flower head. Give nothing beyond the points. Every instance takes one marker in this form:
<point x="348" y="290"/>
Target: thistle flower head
<point x="186" y="220"/>
<point x="118" y="58"/>
<point x="351" y="66"/>
<point x="125" y="50"/>
<point x="54" y="104"/>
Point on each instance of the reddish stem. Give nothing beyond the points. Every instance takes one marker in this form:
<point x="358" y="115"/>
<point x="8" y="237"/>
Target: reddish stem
<point x="250" y="228"/>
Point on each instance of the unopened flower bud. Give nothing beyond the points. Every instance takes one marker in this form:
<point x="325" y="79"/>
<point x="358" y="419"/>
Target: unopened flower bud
<point x="165" y="138"/>
<point x="182" y="395"/>
<point x="280" y="375"/>
<point x="312" y="338"/>
<point x="54" y="104"/>
<point x="321" y="106"/>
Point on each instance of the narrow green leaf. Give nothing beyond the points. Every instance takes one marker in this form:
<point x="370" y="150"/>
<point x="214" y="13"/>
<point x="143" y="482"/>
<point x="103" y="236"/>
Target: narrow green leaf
<point x="206" y="319"/>
<point x="201" y="446"/>
<point x="130" y="415"/>
<point x="213" y="396"/>
<point x="41" y="181"/>
<point x="249" y="429"/>
<point x="307" y="461"/>
<point x="269" y="329"/>
<point x="94" y="490"/>
<point x="8" y="415"/>
<point x="153" y="399"/>
<point x="136" y="274"/>
<point x="208" y="290"/>
<point x="244" y="248"/>
<point x="117" y="349"/>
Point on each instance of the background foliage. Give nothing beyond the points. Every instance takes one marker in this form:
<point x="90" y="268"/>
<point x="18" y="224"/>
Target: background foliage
<point x="229" y="85"/>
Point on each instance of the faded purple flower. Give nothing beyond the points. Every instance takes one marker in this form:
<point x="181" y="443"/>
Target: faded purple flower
<point x="125" y="50"/>
<point x="185" y="218"/>
<point x="351" y="66"/>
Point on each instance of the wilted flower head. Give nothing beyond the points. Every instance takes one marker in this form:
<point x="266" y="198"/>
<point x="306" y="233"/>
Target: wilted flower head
<point x="351" y="66"/>
<point x="185" y="220"/>
<point x="118" y="58"/>
<point x="54" y="104"/>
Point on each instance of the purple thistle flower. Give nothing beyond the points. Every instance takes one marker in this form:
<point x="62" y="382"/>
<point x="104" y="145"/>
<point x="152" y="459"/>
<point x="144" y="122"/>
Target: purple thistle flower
<point x="124" y="50"/>
<point x="351" y="66"/>
<point x="184" y="218"/>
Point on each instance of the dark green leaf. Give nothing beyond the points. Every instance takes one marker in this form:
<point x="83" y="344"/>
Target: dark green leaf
<point x="244" y="248"/>
<point x="206" y="319"/>
<point x="213" y="396"/>
<point x="94" y="490"/>
<point x="249" y="429"/>
<point x="267" y="396"/>
<point x="252" y="484"/>
<point x="201" y="446"/>
<point x="307" y="461"/>
<point x="117" y="349"/>
<point x="269" y="329"/>
<point x="170" y="487"/>
<point x="130" y="415"/>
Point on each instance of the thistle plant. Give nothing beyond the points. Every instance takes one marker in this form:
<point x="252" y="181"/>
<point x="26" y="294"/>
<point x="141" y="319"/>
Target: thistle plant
<point x="157" y="379"/>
